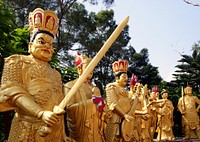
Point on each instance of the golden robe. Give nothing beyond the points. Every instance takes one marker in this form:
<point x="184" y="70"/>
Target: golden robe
<point x="83" y="119"/>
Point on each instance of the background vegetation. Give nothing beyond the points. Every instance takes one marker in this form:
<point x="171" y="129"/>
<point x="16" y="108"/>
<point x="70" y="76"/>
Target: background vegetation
<point x="86" y="32"/>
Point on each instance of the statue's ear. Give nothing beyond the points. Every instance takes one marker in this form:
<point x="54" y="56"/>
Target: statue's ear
<point x="29" y="47"/>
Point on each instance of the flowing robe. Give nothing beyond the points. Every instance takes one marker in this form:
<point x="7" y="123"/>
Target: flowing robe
<point x="85" y="123"/>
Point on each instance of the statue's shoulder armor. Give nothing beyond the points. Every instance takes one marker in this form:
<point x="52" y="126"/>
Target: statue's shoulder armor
<point x="111" y="86"/>
<point x="70" y="84"/>
<point x="16" y="58"/>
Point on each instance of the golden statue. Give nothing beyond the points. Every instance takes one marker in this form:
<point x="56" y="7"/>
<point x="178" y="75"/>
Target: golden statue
<point x="146" y="120"/>
<point x="84" y="110"/>
<point x="121" y="105"/>
<point x="139" y="116"/>
<point x="165" y="119"/>
<point x="31" y="87"/>
<point x="190" y="119"/>
<point x="153" y="105"/>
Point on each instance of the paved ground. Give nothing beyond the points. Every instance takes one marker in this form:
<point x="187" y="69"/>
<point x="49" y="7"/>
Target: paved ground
<point x="180" y="140"/>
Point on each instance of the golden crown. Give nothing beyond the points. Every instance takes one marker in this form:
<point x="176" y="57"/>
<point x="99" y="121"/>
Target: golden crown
<point x="40" y="20"/>
<point x="81" y="59"/>
<point x="120" y="66"/>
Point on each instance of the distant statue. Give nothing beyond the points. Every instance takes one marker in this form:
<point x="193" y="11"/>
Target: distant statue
<point x="149" y="125"/>
<point x="139" y="116"/>
<point x="32" y="88"/>
<point x="154" y="106"/>
<point x="165" y="119"/>
<point x="85" y="110"/>
<point x="121" y="105"/>
<point x="188" y="107"/>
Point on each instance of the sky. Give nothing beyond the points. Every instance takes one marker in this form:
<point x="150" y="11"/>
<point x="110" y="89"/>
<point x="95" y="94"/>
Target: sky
<point x="167" y="28"/>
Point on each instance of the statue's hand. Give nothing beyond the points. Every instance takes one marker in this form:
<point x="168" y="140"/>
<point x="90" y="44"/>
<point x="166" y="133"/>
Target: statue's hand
<point x="128" y="118"/>
<point x="49" y="118"/>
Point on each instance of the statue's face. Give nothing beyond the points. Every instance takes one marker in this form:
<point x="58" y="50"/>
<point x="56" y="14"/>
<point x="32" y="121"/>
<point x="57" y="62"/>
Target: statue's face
<point x="84" y="66"/>
<point x="154" y="95"/>
<point x="122" y="80"/>
<point x="81" y="69"/>
<point x="188" y="91"/>
<point x="42" y="47"/>
<point x="165" y="95"/>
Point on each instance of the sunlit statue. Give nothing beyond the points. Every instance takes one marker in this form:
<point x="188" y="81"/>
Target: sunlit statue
<point x="31" y="87"/>
<point x="165" y="119"/>
<point x="121" y="105"/>
<point x="153" y="105"/>
<point x="141" y="106"/>
<point x="146" y="121"/>
<point x="85" y="109"/>
<point x="187" y="105"/>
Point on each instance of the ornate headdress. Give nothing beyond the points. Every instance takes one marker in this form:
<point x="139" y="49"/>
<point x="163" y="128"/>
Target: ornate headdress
<point x="81" y="59"/>
<point x="155" y="89"/>
<point x="41" y="21"/>
<point x="187" y="88"/>
<point x="120" y="66"/>
<point x="134" y="80"/>
<point x="164" y="91"/>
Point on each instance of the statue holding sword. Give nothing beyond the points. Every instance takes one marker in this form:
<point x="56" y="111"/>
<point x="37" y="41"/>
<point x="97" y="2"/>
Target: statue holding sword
<point x="34" y="90"/>
<point x="187" y="105"/>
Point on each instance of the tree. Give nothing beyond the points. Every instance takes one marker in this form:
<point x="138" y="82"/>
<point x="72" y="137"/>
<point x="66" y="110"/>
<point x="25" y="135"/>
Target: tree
<point x="140" y="66"/>
<point x="191" y="2"/>
<point x="89" y="31"/>
<point x="189" y="69"/>
<point x="21" y="8"/>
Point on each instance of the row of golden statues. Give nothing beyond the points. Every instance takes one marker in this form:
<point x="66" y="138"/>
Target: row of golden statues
<point x="32" y="88"/>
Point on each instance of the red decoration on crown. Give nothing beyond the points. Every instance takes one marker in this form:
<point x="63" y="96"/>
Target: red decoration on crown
<point x="120" y="66"/>
<point x="80" y="59"/>
<point x="134" y="80"/>
<point x="155" y="89"/>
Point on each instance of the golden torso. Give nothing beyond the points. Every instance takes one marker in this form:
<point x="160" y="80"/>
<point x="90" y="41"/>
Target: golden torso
<point x="42" y="84"/>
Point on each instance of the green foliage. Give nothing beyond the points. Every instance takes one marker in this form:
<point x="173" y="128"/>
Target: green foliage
<point x="87" y="32"/>
<point x="187" y="72"/>
<point x="6" y="27"/>
<point x="189" y="69"/>
<point x="140" y="66"/>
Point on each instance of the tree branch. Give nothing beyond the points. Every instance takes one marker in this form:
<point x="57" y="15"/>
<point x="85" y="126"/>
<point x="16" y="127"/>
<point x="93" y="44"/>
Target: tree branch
<point x="191" y="3"/>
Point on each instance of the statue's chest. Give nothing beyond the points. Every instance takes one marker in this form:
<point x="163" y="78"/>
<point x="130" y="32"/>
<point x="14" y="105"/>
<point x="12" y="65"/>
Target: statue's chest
<point x="39" y="70"/>
<point x="190" y="102"/>
<point x="122" y="92"/>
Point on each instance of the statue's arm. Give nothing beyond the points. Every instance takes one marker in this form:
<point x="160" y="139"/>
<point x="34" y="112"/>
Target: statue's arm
<point x="180" y="105"/>
<point x="197" y="100"/>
